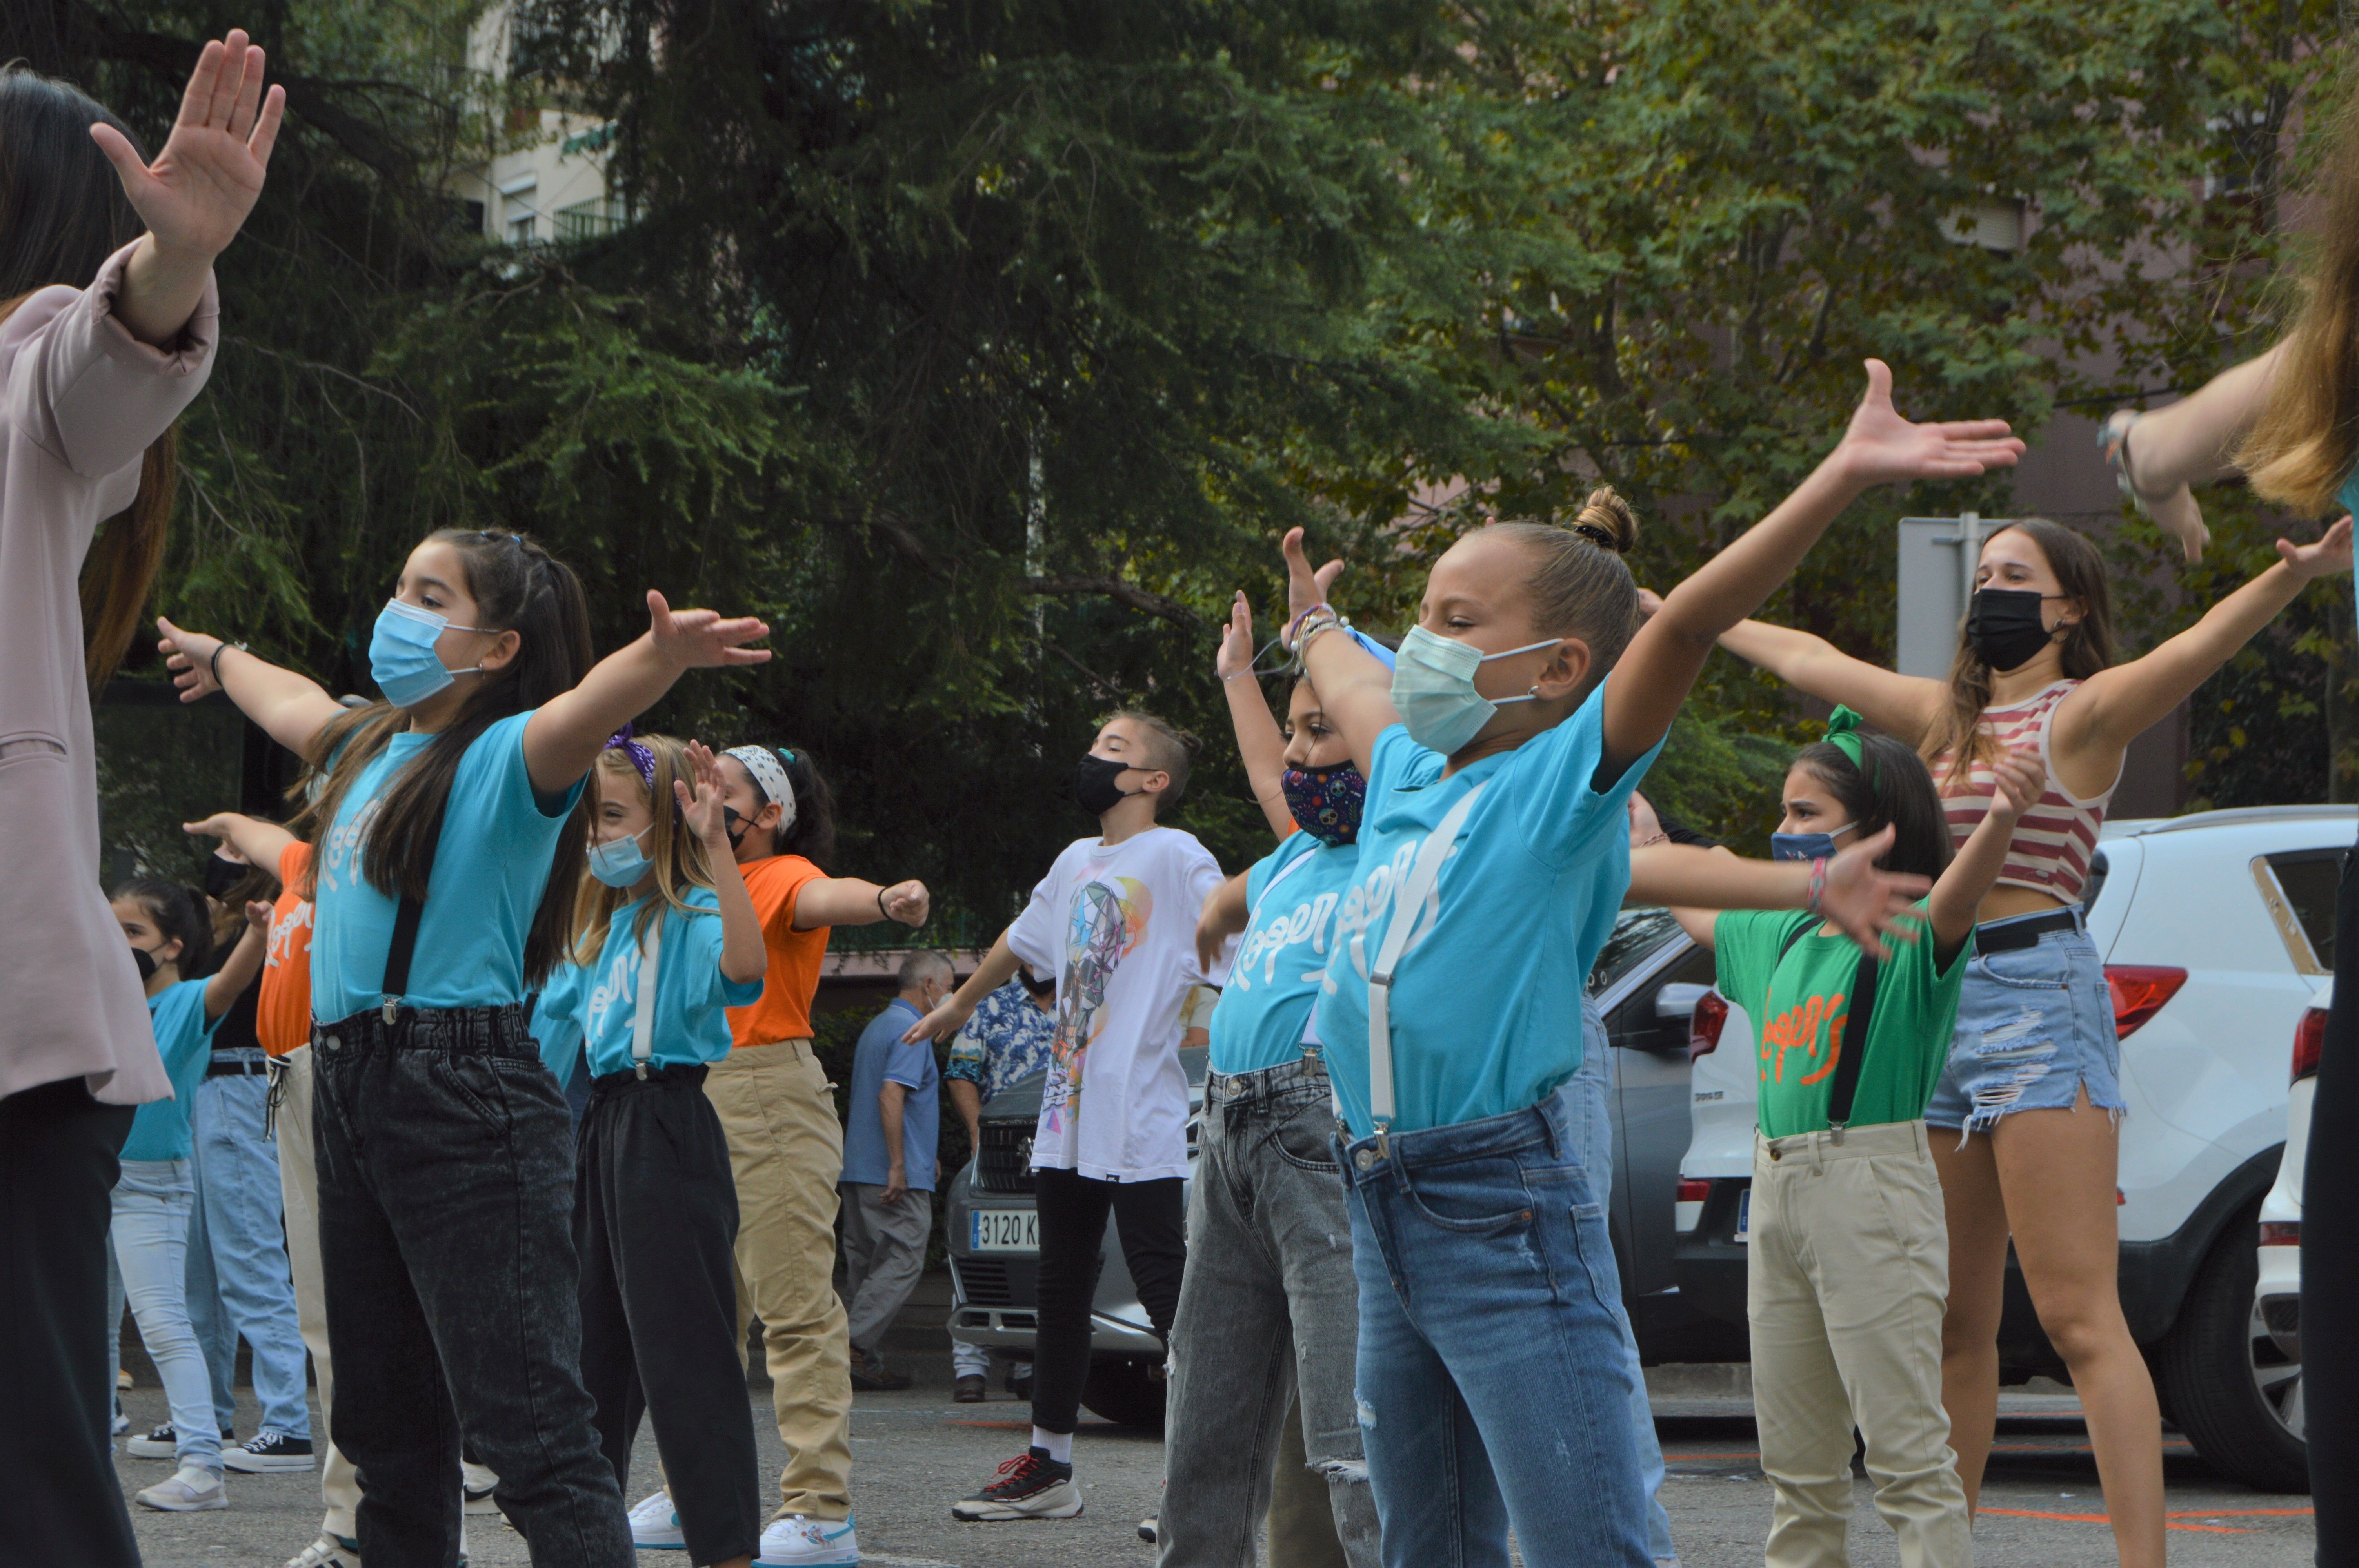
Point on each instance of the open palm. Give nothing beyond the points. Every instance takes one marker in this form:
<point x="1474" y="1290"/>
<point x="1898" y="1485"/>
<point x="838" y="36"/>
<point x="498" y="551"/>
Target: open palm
<point x="1881" y="447"/>
<point x="700" y="639"/>
<point x="2331" y="554"/>
<point x="196" y="194"/>
<point x="700" y="795"/>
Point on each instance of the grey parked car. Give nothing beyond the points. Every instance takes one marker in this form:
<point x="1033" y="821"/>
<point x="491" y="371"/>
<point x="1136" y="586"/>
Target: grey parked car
<point x="1647" y="982"/>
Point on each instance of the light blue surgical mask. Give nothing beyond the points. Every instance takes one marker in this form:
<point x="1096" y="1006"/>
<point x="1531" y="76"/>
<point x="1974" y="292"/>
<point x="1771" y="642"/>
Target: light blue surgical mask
<point x="1806" y="845"/>
<point x="402" y="660"/>
<point x="1433" y="688"/>
<point x="620" y="862"/>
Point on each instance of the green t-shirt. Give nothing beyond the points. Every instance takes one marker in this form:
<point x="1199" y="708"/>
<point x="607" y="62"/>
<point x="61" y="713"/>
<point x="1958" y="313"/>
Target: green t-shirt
<point x="1797" y="1011"/>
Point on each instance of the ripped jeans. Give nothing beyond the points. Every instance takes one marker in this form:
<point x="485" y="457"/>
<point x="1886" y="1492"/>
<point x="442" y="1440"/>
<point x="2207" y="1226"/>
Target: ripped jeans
<point x="2034" y="1024"/>
<point x="1269" y="1309"/>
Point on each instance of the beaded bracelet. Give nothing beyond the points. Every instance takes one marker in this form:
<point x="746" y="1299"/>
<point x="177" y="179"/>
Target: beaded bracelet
<point x="1817" y="890"/>
<point x="1307" y="624"/>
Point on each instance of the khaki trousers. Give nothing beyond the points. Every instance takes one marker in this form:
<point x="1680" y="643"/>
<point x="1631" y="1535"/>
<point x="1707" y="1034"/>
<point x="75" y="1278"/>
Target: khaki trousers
<point x="298" y="1183"/>
<point x="785" y="1150"/>
<point x="1847" y="1282"/>
<point x="1301" y="1516"/>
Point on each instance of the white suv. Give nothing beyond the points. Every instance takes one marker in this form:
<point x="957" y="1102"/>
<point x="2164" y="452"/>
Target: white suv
<point x="2275" y="1328"/>
<point x="2216" y="931"/>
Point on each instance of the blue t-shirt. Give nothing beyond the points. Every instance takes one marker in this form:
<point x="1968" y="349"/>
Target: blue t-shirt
<point x="555" y="1020"/>
<point x="884" y="1058"/>
<point x="598" y="1002"/>
<point x="2348" y="499"/>
<point x="1487" y="997"/>
<point x="1276" y="976"/>
<point x="184" y="1035"/>
<point x="498" y="839"/>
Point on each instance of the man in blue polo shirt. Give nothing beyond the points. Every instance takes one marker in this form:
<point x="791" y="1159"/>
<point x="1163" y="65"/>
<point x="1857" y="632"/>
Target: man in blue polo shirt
<point x="892" y="1130"/>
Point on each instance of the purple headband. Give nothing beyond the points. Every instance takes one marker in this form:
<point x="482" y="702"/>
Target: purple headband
<point x="641" y="758"/>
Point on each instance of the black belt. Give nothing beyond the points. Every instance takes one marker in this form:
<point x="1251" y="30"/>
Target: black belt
<point x="2007" y="935"/>
<point x="218" y="1069"/>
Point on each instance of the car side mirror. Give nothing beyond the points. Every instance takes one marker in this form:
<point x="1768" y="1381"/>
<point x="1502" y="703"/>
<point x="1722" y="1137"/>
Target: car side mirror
<point x="1679" y="999"/>
<point x="1675" y="1005"/>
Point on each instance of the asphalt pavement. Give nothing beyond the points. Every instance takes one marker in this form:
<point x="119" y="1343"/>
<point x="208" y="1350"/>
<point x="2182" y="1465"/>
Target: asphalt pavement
<point x="915" y="1452"/>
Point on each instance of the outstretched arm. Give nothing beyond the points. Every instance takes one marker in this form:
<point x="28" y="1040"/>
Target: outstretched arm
<point x="1904" y="707"/>
<point x="2159" y="454"/>
<point x="1668" y="652"/>
<point x="257" y="842"/>
<point x="229" y="982"/>
<point x="1260" y="743"/>
<point x="291" y="709"/>
<point x="1355" y="690"/>
<point x="564" y="734"/>
<point x="856" y="901"/>
<point x="1959" y="894"/>
<point x="2116" y="705"/>
<point x="999" y="967"/>
<point x="1866" y="904"/>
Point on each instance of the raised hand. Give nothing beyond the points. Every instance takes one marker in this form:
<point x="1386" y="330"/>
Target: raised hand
<point x="700" y="639"/>
<point x="699" y="799"/>
<point x="197" y="194"/>
<point x="2022" y="780"/>
<point x="2331" y="553"/>
<point x="1236" y="655"/>
<point x="1881" y="447"/>
<point x="189" y="656"/>
<point x="907" y="902"/>
<point x="1868" y="905"/>
<point x="1304" y="585"/>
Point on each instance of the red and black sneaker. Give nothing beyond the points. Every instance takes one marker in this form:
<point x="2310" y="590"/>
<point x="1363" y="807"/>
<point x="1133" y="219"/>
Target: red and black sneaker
<point x="1030" y="1485"/>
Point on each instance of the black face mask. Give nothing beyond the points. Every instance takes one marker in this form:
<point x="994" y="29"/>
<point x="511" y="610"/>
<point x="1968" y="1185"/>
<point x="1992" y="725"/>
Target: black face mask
<point x="223" y="875"/>
<point x="2004" y="627"/>
<point x="147" y="962"/>
<point x="1097" y="784"/>
<point x="735" y="824"/>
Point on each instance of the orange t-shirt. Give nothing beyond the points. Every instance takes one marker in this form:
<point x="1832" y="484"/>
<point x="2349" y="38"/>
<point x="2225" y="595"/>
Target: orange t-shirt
<point x="784" y="1011"/>
<point x="282" y="1003"/>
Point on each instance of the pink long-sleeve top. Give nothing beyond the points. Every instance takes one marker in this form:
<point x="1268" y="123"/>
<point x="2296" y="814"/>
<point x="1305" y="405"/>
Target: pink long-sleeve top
<point x="83" y="400"/>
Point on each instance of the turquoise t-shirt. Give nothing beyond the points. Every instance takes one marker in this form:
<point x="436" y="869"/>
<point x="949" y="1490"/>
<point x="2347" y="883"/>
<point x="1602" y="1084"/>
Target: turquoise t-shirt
<point x="498" y="839"/>
<point x="1487" y="997"/>
<point x="159" y="1130"/>
<point x="602" y="1000"/>
<point x="555" y="1019"/>
<point x="2348" y="499"/>
<point x="1275" y="978"/>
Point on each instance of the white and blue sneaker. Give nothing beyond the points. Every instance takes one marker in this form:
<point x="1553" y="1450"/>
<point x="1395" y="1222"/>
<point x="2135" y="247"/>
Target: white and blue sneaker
<point x="797" y="1540"/>
<point x="655" y="1524"/>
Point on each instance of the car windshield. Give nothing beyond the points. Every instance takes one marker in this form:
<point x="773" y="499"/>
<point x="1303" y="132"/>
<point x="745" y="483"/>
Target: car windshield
<point x="1637" y="933"/>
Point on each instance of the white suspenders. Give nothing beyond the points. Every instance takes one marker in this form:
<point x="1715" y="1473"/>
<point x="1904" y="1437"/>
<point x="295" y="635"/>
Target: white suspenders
<point x="643" y="1006"/>
<point x="1409" y="900"/>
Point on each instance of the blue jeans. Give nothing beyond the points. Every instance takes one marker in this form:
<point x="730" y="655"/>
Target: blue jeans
<point x="239" y="1283"/>
<point x="1588" y="1095"/>
<point x="1493" y="1382"/>
<point x="150" y="1231"/>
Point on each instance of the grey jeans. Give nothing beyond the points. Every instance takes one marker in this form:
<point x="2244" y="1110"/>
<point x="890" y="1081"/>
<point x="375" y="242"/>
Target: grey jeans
<point x="884" y="1254"/>
<point x="1269" y="1309"/>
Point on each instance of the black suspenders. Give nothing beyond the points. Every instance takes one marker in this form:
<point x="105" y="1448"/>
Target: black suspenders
<point x="1854" y="1035"/>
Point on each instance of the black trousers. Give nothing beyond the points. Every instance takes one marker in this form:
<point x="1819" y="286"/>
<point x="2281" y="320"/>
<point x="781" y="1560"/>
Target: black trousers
<point x="58" y="1149"/>
<point x="446" y="1246"/>
<point x="1073" y="1209"/>
<point x="655" y="1219"/>
<point x="2329" y="1254"/>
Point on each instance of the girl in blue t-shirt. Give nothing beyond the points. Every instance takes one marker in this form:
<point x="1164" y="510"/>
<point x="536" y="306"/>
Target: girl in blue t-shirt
<point x="156" y="1191"/>
<point x="1500" y="758"/>
<point x="451" y="835"/>
<point x="665" y="940"/>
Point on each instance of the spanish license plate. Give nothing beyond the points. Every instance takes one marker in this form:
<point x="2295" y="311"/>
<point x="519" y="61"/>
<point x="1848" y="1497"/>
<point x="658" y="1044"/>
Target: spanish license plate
<point x="1007" y="1230"/>
<point x="1744" y="1214"/>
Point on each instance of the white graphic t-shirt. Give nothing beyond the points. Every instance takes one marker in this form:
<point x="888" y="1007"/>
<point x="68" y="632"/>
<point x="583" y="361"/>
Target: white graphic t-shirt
<point x="1117" y="926"/>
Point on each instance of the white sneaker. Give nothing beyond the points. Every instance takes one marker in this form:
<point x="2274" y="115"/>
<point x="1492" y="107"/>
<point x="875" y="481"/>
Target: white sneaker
<point x="328" y="1552"/>
<point x="655" y="1524"/>
<point x="476" y="1483"/>
<point x="804" y="1542"/>
<point x="188" y="1490"/>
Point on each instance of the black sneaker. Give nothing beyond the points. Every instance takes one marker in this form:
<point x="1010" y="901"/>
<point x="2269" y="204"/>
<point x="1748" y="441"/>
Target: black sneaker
<point x="163" y="1443"/>
<point x="269" y="1449"/>
<point x="1030" y="1485"/>
<point x="871" y="1376"/>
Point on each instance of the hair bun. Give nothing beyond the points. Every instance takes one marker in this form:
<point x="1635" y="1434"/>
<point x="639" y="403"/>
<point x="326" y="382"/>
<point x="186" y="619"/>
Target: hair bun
<point x="1606" y="521"/>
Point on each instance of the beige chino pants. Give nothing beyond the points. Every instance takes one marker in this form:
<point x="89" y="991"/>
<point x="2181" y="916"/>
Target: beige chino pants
<point x="298" y="1183"/>
<point x="785" y="1150"/>
<point x="1847" y="1282"/>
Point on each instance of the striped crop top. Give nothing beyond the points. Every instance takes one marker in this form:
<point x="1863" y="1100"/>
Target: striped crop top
<point x="2054" y="840"/>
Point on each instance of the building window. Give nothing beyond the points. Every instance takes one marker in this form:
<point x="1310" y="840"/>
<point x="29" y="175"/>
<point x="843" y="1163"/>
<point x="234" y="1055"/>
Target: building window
<point x="521" y="230"/>
<point x="590" y="219"/>
<point x="1996" y="224"/>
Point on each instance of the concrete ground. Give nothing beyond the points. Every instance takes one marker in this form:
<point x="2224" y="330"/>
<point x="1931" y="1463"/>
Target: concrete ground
<point x="915" y="1452"/>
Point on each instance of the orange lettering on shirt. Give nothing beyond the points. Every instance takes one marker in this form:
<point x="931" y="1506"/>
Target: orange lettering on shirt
<point x="1799" y="1027"/>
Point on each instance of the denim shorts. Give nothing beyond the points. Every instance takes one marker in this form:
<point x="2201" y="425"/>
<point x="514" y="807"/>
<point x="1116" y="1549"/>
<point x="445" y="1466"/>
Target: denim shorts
<point x="2034" y="1024"/>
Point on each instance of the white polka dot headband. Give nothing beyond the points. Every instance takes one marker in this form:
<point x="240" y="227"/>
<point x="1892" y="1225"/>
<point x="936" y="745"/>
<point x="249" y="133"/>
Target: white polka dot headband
<point x="770" y="777"/>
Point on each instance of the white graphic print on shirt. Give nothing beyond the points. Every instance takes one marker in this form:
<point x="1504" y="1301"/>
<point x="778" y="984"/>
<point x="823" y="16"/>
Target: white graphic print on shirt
<point x="1362" y="913"/>
<point x="1106" y="927"/>
<point x="1265" y="946"/>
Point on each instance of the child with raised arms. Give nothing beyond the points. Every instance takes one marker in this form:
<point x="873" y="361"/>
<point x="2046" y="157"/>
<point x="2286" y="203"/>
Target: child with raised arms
<point x="665" y="940"/>
<point x="1500" y="753"/>
<point x="157" y="1192"/>
<point x="451" y="840"/>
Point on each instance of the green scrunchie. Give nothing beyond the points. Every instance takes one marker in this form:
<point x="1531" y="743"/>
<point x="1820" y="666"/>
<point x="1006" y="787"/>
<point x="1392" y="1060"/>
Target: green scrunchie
<point x="1842" y="734"/>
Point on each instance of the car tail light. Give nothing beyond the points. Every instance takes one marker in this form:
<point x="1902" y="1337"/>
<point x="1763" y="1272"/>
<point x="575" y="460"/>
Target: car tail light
<point x="1693" y="1191"/>
<point x="2280" y="1233"/>
<point x="2140" y="992"/>
<point x="1704" y="1028"/>
<point x="2309" y="1043"/>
